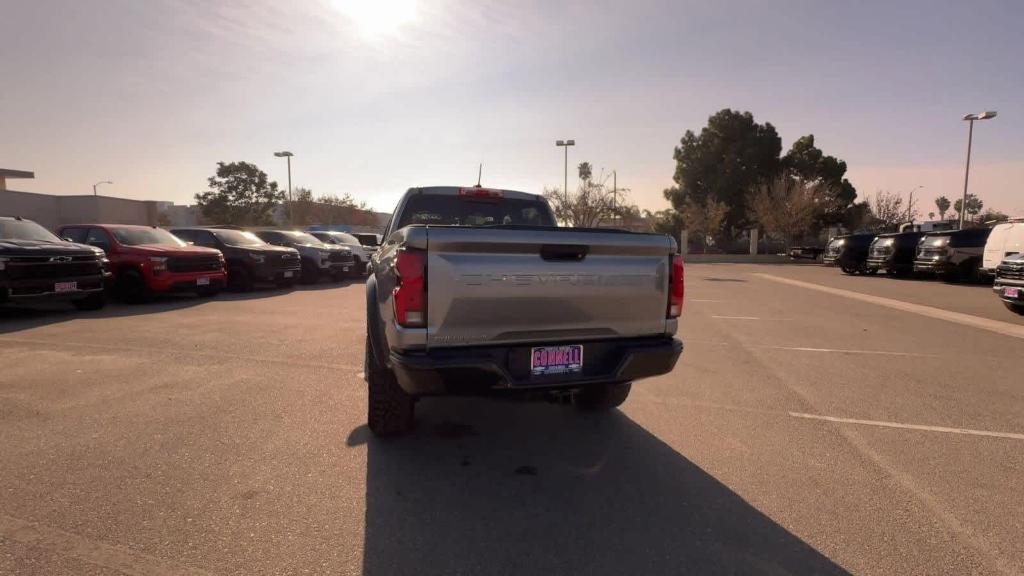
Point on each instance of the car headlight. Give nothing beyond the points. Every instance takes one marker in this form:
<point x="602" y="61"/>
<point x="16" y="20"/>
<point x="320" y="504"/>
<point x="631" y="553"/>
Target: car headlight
<point x="159" y="263"/>
<point x="258" y="258"/>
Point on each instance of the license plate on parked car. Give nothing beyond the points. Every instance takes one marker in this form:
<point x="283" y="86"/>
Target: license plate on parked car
<point x="344" y="268"/>
<point x="556" y="360"/>
<point x="288" y="273"/>
<point x="65" y="287"/>
<point x="1011" y="292"/>
<point x="204" y="281"/>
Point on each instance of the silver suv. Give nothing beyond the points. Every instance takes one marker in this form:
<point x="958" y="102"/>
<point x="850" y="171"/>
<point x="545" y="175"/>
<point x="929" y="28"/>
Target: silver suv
<point x="318" y="259"/>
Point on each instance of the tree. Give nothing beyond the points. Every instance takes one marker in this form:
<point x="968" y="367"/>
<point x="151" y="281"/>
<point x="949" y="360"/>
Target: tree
<point x="585" y="208"/>
<point x="302" y="208"/>
<point x="888" y="211"/>
<point x="992" y="215"/>
<point x="732" y="156"/>
<point x="931" y="215"/>
<point x="668" y="221"/>
<point x="859" y="217"/>
<point x="974" y="206"/>
<point x="942" y="203"/>
<point x="806" y="161"/>
<point x="585" y="170"/>
<point x="705" y="218"/>
<point x="241" y="194"/>
<point x="789" y="206"/>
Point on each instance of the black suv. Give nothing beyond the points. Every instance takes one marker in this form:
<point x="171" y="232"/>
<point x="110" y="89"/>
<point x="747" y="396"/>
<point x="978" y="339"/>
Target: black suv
<point x="952" y="254"/>
<point x="893" y="253"/>
<point x="1009" y="283"/>
<point x="248" y="259"/>
<point x="849" y="252"/>
<point x="36" y="265"/>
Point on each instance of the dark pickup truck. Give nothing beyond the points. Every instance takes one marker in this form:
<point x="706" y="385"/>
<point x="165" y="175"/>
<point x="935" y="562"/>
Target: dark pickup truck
<point x="249" y="259"/>
<point x="893" y="253"/>
<point x="476" y="291"/>
<point x="849" y="252"/>
<point x="37" y="266"/>
<point x="953" y="254"/>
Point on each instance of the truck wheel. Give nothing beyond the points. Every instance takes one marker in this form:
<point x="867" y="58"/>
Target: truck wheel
<point x="1015" y="308"/>
<point x="131" y="287"/>
<point x="239" y="279"/>
<point x="94" y="302"/>
<point x="848" y="269"/>
<point x="602" y="396"/>
<point x="389" y="409"/>
<point x="310" y="274"/>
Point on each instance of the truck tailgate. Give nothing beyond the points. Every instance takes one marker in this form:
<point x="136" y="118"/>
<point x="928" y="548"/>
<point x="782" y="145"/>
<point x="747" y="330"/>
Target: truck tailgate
<point x="502" y="286"/>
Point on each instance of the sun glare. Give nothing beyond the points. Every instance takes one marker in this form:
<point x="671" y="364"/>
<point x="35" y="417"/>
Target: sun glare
<point x="377" y="17"/>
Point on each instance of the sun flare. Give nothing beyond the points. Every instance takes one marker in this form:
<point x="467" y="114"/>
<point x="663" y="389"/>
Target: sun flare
<point x="377" y="17"/>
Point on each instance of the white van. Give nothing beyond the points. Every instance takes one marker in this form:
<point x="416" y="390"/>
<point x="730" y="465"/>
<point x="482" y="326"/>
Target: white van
<point x="1005" y="240"/>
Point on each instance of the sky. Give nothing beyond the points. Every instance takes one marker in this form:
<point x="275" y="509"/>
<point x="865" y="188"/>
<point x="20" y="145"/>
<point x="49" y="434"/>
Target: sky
<point x="376" y="96"/>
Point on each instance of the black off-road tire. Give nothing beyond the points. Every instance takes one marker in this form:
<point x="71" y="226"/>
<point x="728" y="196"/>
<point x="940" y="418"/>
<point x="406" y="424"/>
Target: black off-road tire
<point x="131" y="287"/>
<point x="239" y="279"/>
<point x="390" y="409"/>
<point x="94" y="302"/>
<point x="602" y="397"/>
<point x="1015" y="308"/>
<point x="310" y="274"/>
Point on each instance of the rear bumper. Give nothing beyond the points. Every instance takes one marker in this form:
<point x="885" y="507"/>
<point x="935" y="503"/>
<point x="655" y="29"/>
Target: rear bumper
<point x="479" y="370"/>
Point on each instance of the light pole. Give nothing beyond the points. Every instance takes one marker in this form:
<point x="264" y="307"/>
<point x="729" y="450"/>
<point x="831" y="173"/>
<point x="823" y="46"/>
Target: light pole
<point x="910" y="204"/>
<point x="97" y="184"/>
<point x="565" y="144"/>
<point x="967" y="171"/>
<point x="288" y="155"/>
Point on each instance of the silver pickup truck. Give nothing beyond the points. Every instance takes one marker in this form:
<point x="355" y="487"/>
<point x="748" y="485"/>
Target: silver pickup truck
<point x="476" y="291"/>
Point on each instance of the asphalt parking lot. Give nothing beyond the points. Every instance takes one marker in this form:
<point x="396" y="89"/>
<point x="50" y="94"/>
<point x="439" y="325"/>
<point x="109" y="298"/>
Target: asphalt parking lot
<point x="806" y="430"/>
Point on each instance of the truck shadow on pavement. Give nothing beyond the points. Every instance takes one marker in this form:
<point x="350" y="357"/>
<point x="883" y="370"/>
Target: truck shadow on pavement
<point x="498" y="487"/>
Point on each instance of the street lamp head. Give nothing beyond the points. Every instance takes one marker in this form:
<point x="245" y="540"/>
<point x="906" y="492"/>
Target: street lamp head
<point x="570" y="143"/>
<point x="980" y="115"/>
<point x="284" y="154"/>
<point x="565" y="142"/>
<point x="559" y="142"/>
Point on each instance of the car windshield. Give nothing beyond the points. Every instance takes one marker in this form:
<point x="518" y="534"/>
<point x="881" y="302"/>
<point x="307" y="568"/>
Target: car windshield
<point x="238" y="238"/>
<point x="444" y="210"/>
<point x="302" y="237"/>
<point x="368" y="240"/>
<point x="885" y="241"/>
<point x="25" y="230"/>
<point x="138" y="236"/>
<point x="343" y="238"/>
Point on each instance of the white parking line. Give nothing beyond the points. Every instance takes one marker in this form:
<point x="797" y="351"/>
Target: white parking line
<point x="1004" y="328"/>
<point x="925" y="428"/>
<point x="736" y="317"/>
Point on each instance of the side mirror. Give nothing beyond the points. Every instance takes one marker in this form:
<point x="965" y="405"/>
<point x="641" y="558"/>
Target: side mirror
<point x="66" y="239"/>
<point x="190" y="243"/>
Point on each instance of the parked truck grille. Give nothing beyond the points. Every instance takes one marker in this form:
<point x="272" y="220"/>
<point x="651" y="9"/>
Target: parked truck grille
<point x="341" y="257"/>
<point x="1013" y="271"/>
<point x="194" y="264"/>
<point x="286" y="262"/>
<point x="41" y="267"/>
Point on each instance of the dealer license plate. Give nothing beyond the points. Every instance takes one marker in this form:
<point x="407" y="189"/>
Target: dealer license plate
<point x="1011" y="292"/>
<point x="65" y="287"/>
<point x="204" y="281"/>
<point x="288" y="273"/>
<point x="556" y="360"/>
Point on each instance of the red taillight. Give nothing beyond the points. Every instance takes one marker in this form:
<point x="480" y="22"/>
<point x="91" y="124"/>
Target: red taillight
<point x="675" y="287"/>
<point x="410" y="290"/>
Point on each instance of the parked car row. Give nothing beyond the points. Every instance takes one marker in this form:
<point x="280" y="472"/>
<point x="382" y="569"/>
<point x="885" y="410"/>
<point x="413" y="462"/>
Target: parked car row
<point x="82" y="263"/>
<point x="971" y="254"/>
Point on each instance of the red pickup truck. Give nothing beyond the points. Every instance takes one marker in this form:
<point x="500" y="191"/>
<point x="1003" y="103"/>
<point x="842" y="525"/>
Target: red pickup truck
<point x="147" y="260"/>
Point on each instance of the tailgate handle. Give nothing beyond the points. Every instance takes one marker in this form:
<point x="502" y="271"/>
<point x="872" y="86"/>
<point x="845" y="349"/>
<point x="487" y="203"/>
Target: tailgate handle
<point x="564" y="252"/>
